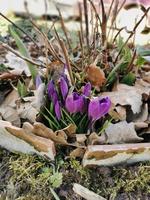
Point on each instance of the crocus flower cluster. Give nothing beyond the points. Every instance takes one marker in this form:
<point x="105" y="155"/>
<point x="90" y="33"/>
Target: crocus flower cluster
<point x="74" y="102"/>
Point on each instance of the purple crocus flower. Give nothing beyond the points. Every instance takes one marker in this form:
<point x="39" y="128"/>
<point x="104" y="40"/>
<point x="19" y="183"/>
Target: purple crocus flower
<point x="53" y="96"/>
<point x="87" y="89"/>
<point x="98" y="108"/>
<point x="38" y="81"/>
<point x="74" y="103"/>
<point x="63" y="87"/>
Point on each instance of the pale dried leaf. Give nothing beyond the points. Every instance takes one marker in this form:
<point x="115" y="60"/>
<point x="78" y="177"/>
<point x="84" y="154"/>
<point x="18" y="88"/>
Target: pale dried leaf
<point x="42" y="145"/>
<point x="126" y="95"/>
<point x="109" y="155"/>
<point x="10" y="114"/>
<point x="86" y="193"/>
<point x="121" y="132"/>
<point x="17" y="143"/>
<point x="26" y="110"/>
<point x="17" y="64"/>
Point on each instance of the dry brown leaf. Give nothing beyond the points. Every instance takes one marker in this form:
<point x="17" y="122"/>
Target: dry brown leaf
<point x="109" y="155"/>
<point x="77" y="153"/>
<point x="94" y="139"/>
<point x="17" y="140"/>
<point x="121" y="132"/>
<point x="126" y="95"/>
<point x="43" y="145"/>
<point x="70" y="130"/>
<point x="81" y="139"/>
<point x="41" y="130"/>
<point x="95" y="75"/>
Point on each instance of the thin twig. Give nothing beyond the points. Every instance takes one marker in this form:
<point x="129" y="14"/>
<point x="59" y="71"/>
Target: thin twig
<point x="66" y="57"/>
<point x="104" y="24"/>
<point x="4" y="45"/>
<point x="86" y="23"/>
<point x="131" y="34"/>
<point x="19" y="29"/>
<point x="64" y="28"/>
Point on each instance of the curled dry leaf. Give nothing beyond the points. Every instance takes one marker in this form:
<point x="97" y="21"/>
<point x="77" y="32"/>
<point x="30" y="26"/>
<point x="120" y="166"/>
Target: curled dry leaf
<point x="26" y="110"/>
<point x="41" y="130"/>
<point x="121" y="132"/>
<point x="143" y="115"/>
<point x="77" y="153"/>
<point x="42" y="145"/>
<point x="81" y="139"/>
<point x="17" y="140"/>
<point x="109" y="155"/>
<point x="17" y="64"/>
<point x="118" y="112"/>
<point x="126" y="95"/>
<point x="8" y="109"/>
<point x="70" y="130"/>
<point x="95" y="75"/>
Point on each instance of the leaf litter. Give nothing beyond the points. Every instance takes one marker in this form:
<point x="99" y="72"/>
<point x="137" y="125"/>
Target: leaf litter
<point x="126" y="122"/>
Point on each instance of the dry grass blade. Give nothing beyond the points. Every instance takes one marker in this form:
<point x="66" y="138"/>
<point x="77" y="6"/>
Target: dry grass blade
<point x="104" y="24"/>
<point x="64" y="28"/>
<point x="86" y="23"/>
<point x="19" y="55"/>
<point x="115" y="14"/>
<point x="20" y="29"/>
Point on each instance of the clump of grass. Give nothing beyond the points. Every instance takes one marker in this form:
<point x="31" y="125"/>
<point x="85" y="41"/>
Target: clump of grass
<point x="34" y="176"/>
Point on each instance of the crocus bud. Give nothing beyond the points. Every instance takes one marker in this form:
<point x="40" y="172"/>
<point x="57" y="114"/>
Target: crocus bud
<point x="98" y="108"/>
<point x="87" y="89"/>
<point x="74" y="103"/>
<point x="63" y="87"/>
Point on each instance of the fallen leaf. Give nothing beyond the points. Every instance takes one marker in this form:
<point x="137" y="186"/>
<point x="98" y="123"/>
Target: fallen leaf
<point x="43" y="131"/>
<point x="81" y="139"/>
<point x="86" y="193"/>
<point x="13" y="143"/>
<point x="121" y="132"/>
<point x="126" y="95"/>
<point x="140" y="125"/>
<point x="70" y="130"/>
<point x="109" y="155"/>
<point x="143" y="115"/>
<point x="95" y="75"/>
<point x="26" y="110"/>
<point x="17" y="64"/>
<point x="77" y="153"/>
<point x="42" y="145"/>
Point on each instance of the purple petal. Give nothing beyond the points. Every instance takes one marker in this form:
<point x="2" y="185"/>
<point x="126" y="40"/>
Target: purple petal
<point x="57" y="110"/>
<point x="52" y="93"/>
<point x="69" y="104"/>
<point x="63" y="87"/>
<point x="74" y="103"/>
<point x="87" y="90"/>
<point x="98" y="108"/>
<point x="38" y="81"/>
